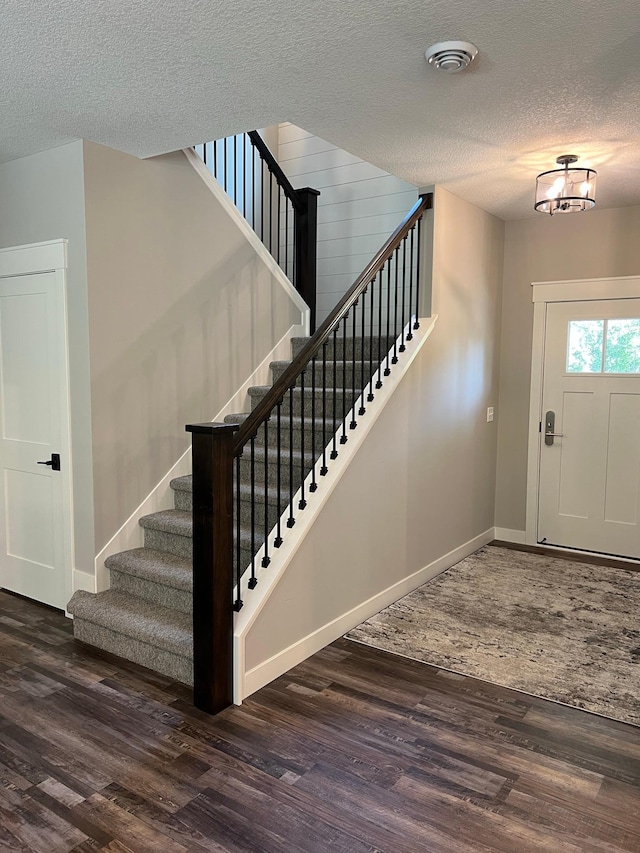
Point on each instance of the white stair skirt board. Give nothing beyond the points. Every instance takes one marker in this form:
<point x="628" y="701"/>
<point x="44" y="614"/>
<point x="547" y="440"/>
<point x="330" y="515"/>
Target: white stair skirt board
<point x="131" y="535"/>
<point x="257" y="244"/>
<point x="256" y="599"/>
<point x="307" y="646"/>
<point x="505" y="534"/>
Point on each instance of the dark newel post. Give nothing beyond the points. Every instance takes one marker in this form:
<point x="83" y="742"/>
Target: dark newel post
<point x="306" y="240"/>
<point x="212" y="451"/>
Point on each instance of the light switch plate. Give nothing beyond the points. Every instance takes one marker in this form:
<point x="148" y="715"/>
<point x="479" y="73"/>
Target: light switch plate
<point x="489" y="414"/>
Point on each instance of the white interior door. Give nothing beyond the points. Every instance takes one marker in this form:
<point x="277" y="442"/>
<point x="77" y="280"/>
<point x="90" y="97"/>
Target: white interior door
<point x="589" y="486"/>
<point x="35" y="500"/>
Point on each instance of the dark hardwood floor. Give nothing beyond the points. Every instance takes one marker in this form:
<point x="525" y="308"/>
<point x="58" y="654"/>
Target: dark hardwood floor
<point x="355" y="750"/>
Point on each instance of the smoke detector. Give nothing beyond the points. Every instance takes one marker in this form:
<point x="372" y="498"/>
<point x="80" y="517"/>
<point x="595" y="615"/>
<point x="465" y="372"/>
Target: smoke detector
<point x="451" y="56"/>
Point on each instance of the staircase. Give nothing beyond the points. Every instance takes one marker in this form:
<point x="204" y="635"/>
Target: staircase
<point x="146" y="616"/>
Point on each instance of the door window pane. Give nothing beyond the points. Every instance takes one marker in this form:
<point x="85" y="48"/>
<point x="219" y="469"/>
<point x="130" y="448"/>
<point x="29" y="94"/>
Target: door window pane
<point x="622" y="353"/>
<point x="585" y="344"/>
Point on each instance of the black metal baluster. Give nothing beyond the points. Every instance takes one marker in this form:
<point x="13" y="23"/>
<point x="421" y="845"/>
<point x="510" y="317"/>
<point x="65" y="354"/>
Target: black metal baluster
<point x="226" y="141"/>
<point x="363" y="383"/>
<point x="277" y="542"/>
<point x="303" y="502"/>
<point x="278" y="223"/>
<point x="238" y="602"/>
<point x="261" y="199"/>
<point x="314" y="485"/>
<point x="416" y="325"/>
<point x="371" y="371"/>
<point x="204" y="153"/>
<point x="334" y="452"/>
<point x="354" y="422"/>
<point x="286" y="236"/>
<point x="266" y="559"/>
<point x="244" y="176"/>
<point x="387" y="369"/>
<point x="253" y="188"/>
<point x="404" y="284"/>
<point x="215" y="159"/>
<point x="394" y="360"/>
<point x="379" y="380"/>
<point x="324" y="468"/>
<point x="411" y="259"/>
<point x="343" y="437"/>
<point x="253" y="580"/>
<point x="235" y="171"/>
<point x="291" y="520"/>
<point x="271" y="211"/>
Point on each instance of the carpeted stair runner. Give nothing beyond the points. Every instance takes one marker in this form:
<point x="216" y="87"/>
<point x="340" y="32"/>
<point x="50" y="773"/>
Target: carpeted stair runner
<point x="145" y="616"/>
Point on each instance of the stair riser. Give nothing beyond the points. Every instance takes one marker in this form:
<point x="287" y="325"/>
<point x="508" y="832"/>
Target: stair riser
<point x="323" y="408"/>
<point x="182" y="546"/>
<point x="343" y="348"/>
<point x="346" y="375"/>
<point x="172" y="665"/>
<point x="299" y="435"/>
<point x="156" y="593"/>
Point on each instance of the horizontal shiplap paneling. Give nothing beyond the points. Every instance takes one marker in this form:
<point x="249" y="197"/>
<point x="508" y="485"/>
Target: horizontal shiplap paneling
<point x="359" y="207"/>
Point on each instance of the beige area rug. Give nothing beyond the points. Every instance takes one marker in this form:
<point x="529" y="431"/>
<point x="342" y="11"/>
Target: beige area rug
<point x="551" y="627"/>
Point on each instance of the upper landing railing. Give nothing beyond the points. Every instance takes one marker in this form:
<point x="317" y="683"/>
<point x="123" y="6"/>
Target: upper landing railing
<point x="284" y="218"/>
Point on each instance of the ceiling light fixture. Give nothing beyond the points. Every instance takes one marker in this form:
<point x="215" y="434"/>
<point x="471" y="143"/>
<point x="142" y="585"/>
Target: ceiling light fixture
<point x="566" y="190"/>
<point x="451" y="56"/>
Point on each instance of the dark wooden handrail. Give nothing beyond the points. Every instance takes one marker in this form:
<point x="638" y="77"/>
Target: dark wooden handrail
<point x="290" y="375"/>
<point x="275" y="168"/>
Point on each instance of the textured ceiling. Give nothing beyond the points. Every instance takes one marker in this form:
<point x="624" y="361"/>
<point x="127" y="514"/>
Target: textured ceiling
<point x="151" y="76"/>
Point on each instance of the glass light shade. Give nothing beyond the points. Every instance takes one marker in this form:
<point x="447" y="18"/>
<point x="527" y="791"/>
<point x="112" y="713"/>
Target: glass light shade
<point x="566" y="190"/>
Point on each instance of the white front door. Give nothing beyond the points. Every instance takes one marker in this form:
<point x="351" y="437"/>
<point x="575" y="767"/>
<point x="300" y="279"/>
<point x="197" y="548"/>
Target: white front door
<point x="35" y="506"/>
<point x="589" y="486"/>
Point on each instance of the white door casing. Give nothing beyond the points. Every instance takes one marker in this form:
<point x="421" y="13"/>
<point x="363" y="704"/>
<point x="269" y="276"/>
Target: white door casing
<point x="36" y="535"/>
<point x="582" y="492"/>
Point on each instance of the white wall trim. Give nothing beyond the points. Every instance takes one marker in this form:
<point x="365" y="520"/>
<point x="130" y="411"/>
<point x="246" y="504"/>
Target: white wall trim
<point x="281" y="558"/>
<point x="543" y="293"/>
<point x="34" y="258"/>
<point x="580" y="290"/>
<point x="505" y="534"/>
<point x="309" y="645"/>
<point x="257" y="244"/>
<point x="131" y="535"/>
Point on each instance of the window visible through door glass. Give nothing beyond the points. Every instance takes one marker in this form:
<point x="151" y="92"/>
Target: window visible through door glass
<point x="585" y="345"/>
<point x="604" y="346"/>
<point x="622" y="351"/>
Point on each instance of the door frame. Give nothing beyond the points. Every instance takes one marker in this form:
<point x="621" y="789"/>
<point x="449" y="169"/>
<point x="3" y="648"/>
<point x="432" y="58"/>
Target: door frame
<point x="32" y="259"/>
<point x="543" y="293"/>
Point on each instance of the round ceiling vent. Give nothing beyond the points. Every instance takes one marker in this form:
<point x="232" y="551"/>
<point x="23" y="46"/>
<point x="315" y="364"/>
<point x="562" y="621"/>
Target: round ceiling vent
<point x="451" y="56"/>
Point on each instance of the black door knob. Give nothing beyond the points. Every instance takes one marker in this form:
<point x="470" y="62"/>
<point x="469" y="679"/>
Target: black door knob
<point x="54" y="462"/>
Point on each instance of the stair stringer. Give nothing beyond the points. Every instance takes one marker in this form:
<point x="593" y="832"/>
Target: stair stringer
<point x="131" y="535"/>
<point x="256" y="600"/>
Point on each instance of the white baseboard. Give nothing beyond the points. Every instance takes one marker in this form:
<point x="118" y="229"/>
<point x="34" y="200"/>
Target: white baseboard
<point x="505" y="534"/>
<point x="130" y="535"/>
<point x="84" y="581"/>
<point x="280" y="663"/>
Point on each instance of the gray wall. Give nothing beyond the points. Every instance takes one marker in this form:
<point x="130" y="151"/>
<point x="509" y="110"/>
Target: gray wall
<point x="42" y="198"/>
<point x="423" y="483"/>
<point x="600" y="243"/>
<point x="359" y="207"/>
<point x="182" y="309"/>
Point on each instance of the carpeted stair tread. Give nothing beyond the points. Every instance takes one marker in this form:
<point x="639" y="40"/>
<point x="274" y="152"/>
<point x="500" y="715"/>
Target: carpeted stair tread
<point x="185" y="484"/>
<point x="176" y="521"/>
<point x="136" y="618"/>
<point x="182" y="484"/>
<point x="298" y="422"/>
<point x="156" y="566"/>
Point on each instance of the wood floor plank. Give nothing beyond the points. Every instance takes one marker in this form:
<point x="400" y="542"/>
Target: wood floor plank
<point x="353" y="751"/>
